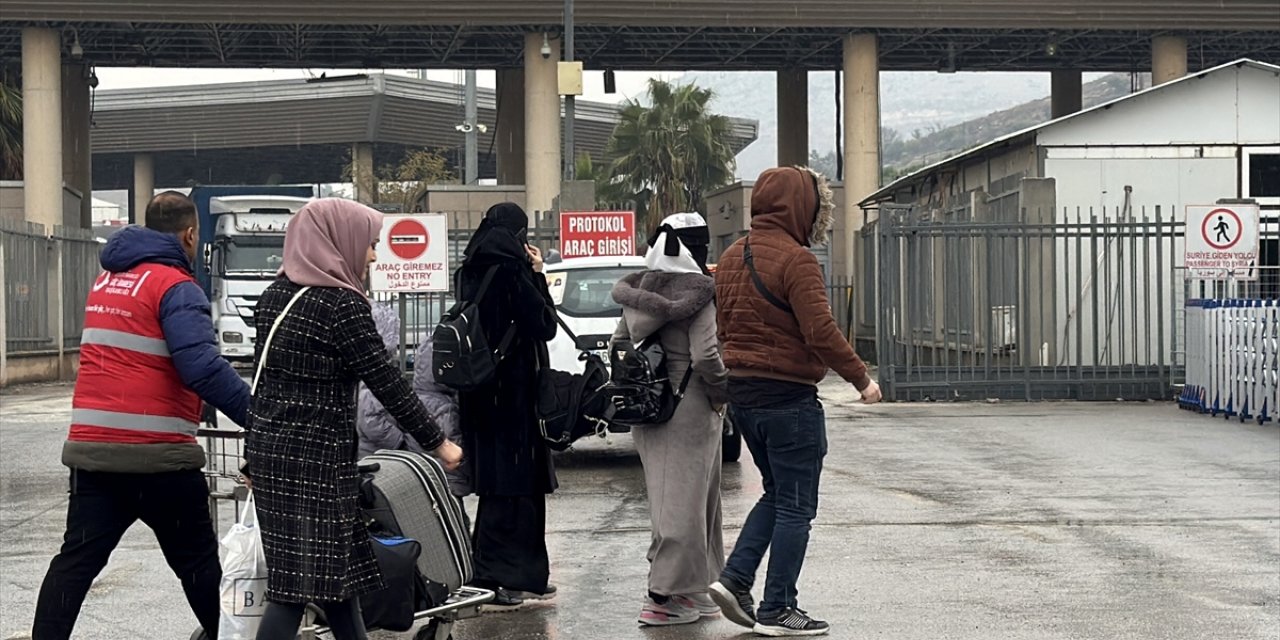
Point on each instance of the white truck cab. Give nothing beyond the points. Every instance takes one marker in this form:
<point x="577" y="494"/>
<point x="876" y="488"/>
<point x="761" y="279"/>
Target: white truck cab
<point x="247" y="252"/>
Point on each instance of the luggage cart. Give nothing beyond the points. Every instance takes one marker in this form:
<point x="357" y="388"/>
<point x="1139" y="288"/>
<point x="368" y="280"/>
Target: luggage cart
<point x="224" y="456"/>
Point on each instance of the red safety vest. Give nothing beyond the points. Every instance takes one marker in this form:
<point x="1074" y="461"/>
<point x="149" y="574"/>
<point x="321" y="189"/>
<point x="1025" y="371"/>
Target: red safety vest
<point x="127" y="390"/>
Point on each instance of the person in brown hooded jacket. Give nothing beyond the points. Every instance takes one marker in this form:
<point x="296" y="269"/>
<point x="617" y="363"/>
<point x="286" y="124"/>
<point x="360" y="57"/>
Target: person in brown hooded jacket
<point x="779" y="339"/>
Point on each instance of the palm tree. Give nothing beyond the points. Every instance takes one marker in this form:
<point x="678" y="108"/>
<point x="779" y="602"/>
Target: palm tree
<point x="610" y="193"/>
<point x="10" y="125"/>
<point x="671" y="152"/>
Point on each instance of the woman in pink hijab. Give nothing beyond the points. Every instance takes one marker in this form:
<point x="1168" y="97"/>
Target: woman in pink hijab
<point x="302" y="442"/>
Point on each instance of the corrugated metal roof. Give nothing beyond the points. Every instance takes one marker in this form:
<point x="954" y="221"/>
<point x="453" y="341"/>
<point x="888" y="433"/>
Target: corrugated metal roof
<point x="1092" y="14"/>
<point x="298" y="112"/>
<point x="1029" y="133"/>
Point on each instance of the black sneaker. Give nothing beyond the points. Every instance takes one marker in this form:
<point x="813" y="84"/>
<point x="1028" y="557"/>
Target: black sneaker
<point x="736" y="602"/>
<point x="790" y="622"/>
<point x="503" y="600"/>
<point x="548" y="594"/>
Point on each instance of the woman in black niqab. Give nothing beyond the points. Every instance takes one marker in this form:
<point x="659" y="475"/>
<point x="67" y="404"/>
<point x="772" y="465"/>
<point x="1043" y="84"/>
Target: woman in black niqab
<point x="512" y="467"/>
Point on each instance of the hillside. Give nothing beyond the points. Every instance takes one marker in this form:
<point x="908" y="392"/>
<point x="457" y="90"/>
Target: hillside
<point x="925" y="115"/>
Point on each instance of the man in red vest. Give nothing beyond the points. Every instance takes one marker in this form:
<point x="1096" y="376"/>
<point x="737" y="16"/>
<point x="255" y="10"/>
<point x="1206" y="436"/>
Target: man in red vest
<point x="148" y="357"/>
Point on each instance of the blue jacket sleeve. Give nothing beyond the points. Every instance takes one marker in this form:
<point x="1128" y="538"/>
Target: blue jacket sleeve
<point x="193" y="345"/>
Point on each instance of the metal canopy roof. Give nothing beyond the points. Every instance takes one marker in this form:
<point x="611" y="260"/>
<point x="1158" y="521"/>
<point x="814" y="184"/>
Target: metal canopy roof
<point x="304" y="128"/>
<point x="637" y="48"/>
<point x="1092" y="35"/>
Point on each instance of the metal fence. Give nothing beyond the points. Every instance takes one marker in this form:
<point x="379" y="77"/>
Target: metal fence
<point x="1053" y="304"/>
<point x="1233" y="358"/>
<point x="46" y="281"/>
<point x="78" y="251"/>
<point x="27" y="263"/>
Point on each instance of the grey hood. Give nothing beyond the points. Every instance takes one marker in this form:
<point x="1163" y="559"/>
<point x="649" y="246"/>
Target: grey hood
<point x="387" y="320"/>
<point x="653" y="299"/>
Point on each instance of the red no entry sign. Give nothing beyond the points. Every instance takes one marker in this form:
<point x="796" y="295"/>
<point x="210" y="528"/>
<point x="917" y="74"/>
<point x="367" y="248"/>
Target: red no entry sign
<point x="408" y="239"/>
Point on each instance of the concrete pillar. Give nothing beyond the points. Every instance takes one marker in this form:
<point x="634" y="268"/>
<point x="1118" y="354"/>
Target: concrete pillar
<point x="793" y="117"/>
<point x="4" y="328"/>
<point x="77" y="156"/>
<point x="862" y="143"/>
<point x="144" y="185"/>
<point x="1066" y="93"/>
<point x="541" y="124"/>
<point x="362" y="177"/>
<point x="42" y="126"/>
<point x="509" y="130"/>
<point x="1168" y="59"/>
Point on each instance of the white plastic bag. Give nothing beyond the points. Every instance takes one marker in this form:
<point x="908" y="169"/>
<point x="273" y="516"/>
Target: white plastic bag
<point x="244" y="578"/>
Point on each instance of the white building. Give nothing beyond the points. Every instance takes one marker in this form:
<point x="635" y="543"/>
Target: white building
<point x="1206" y="136"/>
<point x="1052" y="299"/>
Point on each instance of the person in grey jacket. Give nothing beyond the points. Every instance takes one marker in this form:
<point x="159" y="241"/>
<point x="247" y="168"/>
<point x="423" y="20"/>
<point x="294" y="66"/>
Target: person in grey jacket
<point x="378" y="430"/>
<point x="673" y="299"/>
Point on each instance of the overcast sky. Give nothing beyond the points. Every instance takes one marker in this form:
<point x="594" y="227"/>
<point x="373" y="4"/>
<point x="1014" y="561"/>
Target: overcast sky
<point x="630" y="83"/>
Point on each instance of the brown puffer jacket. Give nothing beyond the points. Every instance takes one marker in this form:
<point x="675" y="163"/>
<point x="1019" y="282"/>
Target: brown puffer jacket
<point x="790" y="209"/>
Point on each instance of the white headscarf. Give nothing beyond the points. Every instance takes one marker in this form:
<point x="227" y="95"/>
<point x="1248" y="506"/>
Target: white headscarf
<point x="658" y="260"/>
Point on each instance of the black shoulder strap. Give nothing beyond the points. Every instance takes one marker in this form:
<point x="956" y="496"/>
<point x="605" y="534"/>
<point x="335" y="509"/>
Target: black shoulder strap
<point x="564" y="325"/>
<point x="755" y="279"/>
<point x="507" y="340"/>
<point x="510" y="335"/>
<point x="484" y="284"/>
<point x="684" y="382"/>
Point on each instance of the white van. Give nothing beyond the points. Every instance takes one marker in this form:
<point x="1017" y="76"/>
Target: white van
<point x="582" y="290"/>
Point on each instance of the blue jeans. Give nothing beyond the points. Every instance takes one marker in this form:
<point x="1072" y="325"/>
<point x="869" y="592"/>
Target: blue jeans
<point x="787" y="442"/>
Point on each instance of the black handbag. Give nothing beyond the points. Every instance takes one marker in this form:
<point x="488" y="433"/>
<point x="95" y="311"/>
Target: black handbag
<point x="639" y="387"/>
<point x="571" y="405"/>
<point x="392" y="607"/>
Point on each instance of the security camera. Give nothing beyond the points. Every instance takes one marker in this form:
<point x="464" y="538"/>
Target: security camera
<point x="546" y="48"/>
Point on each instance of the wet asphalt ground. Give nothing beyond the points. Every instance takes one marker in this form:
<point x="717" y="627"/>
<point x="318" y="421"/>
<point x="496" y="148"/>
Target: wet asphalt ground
<point x="943" y="521"/>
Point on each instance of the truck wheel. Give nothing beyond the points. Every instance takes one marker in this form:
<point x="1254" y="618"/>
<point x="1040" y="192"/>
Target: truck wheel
<point x="732" y="450"/>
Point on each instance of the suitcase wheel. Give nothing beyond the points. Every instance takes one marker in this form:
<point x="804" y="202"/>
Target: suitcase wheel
<point x="430" y="631"/>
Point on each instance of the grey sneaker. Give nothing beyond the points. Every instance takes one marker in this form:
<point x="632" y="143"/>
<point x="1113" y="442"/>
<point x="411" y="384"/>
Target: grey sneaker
<point x="676" y="610"/>
<point x="736" y="603"/>
<point x="706" y="606"/>
<point x="790" y="622"/>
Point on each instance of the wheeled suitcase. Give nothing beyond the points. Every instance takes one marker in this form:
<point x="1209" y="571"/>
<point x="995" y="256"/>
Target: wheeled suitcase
<point x="425" y="510"/>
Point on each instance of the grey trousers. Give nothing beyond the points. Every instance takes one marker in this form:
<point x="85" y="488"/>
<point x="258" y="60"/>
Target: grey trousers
<point x="682" y="473"/>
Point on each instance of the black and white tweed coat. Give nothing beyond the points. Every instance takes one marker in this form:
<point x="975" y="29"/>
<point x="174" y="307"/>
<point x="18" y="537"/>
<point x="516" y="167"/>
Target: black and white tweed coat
<point x="302" y="442"/>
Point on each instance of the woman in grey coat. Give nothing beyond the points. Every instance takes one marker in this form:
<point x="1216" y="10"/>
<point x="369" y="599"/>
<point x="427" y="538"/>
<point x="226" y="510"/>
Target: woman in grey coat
<point x="673" y="299"/>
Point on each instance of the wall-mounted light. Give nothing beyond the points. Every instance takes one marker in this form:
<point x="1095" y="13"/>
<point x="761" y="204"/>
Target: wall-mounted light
<point x="77" y="51"/>
<point x="610" y="81"/>
<point x="950" y="65"/>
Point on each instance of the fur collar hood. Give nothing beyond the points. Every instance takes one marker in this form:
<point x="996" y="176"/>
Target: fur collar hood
<point x="795" y="200"/>
<point x="652" y="299"/>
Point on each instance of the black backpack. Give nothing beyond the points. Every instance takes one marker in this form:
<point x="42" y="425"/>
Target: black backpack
<point x="639" y="387"/>
<point x="460" y="353"/>
<point x="571" y="405"/>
